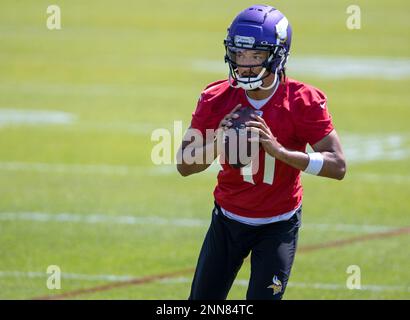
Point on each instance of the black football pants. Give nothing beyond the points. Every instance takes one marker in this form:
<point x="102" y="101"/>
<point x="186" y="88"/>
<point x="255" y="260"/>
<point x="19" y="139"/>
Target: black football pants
<point x="228" y="243"/>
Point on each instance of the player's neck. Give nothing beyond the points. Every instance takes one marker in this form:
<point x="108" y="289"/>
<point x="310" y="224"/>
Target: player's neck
<point x="259" y="94"/>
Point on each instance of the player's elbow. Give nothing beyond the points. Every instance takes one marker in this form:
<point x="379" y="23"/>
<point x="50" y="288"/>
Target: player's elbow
<point x="183" y="170"/>
<point x="341" y="169"/>
<point x="182" y="167"/>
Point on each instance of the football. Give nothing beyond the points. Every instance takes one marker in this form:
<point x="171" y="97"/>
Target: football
<point x="237" y="149"/>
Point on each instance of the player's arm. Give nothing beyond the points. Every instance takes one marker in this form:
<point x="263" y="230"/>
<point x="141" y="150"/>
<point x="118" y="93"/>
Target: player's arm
<point x="334" y="164"/>
<point x="327" y="161"/>
<point x="200" y="152"/>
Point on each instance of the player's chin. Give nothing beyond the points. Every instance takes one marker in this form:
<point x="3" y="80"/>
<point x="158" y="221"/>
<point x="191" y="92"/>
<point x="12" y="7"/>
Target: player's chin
<point x="254" y="90"/>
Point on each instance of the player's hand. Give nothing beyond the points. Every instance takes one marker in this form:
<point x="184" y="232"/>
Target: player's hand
<point x="226" y="121"/>
<point x="261" y="133"/>
<point x="224" y="125"/>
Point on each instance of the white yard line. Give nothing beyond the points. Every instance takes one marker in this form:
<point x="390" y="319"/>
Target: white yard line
<point x="161" y="221"/>
<point x="318" y="286"/>
<point x="102" y="218"/>
<point x="367" y="148"/>
<point x="34" y="117"/>
<point x="330" y="67"/>
<point x="186" y="280"/>
<point x="48" y="119"/>
<point x="64" y="275"/>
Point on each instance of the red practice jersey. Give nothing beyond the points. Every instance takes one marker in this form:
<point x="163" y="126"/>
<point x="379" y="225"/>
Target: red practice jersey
<point x="296" y="114"/>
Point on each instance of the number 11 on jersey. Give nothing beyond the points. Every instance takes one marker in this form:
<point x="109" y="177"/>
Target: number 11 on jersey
<point x="268" y="170"/>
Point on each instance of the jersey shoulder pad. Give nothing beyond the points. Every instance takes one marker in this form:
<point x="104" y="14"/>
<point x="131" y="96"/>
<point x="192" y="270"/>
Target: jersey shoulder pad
<point x="304" y="95"/>
<point x="214" y="90"/>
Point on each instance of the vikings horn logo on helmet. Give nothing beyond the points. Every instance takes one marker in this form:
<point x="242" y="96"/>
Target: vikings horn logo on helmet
<point x="282" y="30"/>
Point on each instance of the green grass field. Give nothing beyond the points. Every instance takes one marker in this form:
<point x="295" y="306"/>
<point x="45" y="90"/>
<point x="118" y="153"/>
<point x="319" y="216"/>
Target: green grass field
<point x="83" y="193"/>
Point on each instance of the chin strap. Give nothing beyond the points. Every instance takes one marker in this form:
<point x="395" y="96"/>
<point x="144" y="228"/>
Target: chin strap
<point x="274" y="83"/>
<point x="247" y="83"/>
<point x="256" y="83"/>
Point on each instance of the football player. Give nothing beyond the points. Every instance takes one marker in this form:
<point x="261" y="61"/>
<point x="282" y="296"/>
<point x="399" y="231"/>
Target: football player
<point x="259" y="214"/>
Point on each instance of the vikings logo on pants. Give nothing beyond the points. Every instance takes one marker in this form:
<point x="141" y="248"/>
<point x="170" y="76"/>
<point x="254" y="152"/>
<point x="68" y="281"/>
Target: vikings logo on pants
<point x="276" y="285"/>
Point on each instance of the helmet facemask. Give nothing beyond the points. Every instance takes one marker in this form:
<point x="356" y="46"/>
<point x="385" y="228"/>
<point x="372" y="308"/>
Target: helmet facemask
<point x="273" y="63"/>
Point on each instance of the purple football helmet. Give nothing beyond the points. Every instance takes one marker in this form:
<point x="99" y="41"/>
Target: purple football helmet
<point x="262" y="28"/>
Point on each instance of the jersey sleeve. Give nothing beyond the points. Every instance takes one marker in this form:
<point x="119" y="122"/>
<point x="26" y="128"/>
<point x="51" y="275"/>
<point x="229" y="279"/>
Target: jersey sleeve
<point x="207" y="114"/>
<point x="201" y="115"/>
<point x="314" y="121"/>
